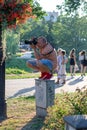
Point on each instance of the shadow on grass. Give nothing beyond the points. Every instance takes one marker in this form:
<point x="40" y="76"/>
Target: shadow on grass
<point x="3" y="118"/>
<point x="35" y="124"/>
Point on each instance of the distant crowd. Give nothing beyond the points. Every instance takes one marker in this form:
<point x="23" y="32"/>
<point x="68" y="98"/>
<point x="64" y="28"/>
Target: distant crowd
<point x="62" y="60"/>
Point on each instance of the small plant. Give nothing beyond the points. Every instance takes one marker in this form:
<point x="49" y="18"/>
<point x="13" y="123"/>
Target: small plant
<point x="65" y="104"/>
<point x="14" y="63"/>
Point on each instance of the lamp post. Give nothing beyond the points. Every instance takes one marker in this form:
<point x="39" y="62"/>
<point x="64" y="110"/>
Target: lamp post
<point x="3" y="113"/>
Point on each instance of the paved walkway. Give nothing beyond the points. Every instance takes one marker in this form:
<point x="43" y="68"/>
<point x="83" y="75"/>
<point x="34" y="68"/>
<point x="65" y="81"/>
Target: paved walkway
<point x="26" y="87"/>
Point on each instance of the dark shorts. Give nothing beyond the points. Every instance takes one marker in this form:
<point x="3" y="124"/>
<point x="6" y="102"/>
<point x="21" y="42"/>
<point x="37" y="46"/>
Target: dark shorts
<point x="84" y="62"/>
<point x="72" y="62"/>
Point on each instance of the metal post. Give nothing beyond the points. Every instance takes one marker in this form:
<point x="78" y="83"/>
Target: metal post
<point x="2" y="92"/>
<point x="2" y="79"/>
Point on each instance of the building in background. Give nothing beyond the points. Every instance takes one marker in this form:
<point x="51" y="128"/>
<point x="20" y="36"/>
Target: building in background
<point x="51" y="16"/>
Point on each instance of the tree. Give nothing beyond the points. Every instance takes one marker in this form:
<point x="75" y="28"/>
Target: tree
<point x="12" y="13"/>
<point x="12" y="41"/>
<point x="33" y="28"/>
<point x="73" y="6"/>
<point x="70" y="32"/>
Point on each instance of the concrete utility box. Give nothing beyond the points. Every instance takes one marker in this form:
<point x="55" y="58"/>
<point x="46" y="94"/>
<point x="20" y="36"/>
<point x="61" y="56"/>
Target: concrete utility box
<point x="76" y="122"/>
<point x="45" y="93"/>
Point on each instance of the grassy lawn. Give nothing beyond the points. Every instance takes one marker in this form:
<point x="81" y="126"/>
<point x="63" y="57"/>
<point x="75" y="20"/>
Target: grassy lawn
<point x="22" y="76"/>
<point x="21" y="115"/>
<point x="29" y="75"/>
<point x="17" y="69"/>
<point x="21" y="112"/>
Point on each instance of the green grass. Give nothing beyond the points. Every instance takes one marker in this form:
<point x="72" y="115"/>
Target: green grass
<point x="22" y="76"/>
<point x="17" y="69"/>
<point x="21" y="114"/>
<point x="15" y="73"/>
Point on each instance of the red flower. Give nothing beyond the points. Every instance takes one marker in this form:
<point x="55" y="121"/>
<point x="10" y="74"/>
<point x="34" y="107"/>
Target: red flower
<point x="14" y="12"/>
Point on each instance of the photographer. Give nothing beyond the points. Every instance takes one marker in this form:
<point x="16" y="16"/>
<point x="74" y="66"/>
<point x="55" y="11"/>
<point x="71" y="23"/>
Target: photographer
<point x="46" y="58"/>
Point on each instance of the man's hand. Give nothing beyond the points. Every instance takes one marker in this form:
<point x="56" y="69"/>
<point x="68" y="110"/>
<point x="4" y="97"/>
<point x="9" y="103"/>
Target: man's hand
<point x="33" y="46"/>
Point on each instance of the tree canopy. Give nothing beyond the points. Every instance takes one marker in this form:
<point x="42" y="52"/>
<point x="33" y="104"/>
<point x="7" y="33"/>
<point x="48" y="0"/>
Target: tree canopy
<point x="15" y="12"/>
<point x="73" y="6"/>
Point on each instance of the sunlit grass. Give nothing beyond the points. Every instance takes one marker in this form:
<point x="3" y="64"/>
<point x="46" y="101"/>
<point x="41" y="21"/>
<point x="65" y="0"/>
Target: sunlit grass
<point x="22" y="76"/>
<point x="19" y="112"/>
<point x="30" y="75"/>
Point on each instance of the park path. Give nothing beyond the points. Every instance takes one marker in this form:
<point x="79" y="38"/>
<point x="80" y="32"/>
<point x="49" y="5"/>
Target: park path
<point x="26" y="87"/>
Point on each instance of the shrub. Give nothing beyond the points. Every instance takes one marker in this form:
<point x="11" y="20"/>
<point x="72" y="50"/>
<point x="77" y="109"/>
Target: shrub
<point x="65" y="104"/>
<point x="15" y="64"/>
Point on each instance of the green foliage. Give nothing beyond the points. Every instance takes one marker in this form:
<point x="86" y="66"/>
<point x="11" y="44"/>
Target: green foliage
<point x="33" y="30"/>
<point x="73" y="7"/>
<point x="67" y="32"/>
<point x="37" y="10"/>
<point x="16" y="65"/>
<point x="15" y="71"/>
<point x="66" y="104"/>
<point x="70" y="32"/>
<point x="22" y="111"/>
<point x="12" y="41"/>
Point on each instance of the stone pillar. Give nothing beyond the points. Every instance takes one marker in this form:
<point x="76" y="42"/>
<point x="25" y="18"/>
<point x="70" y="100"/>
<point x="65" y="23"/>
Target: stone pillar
<point x="44" y="93"/>
<point x="75" y="122"/>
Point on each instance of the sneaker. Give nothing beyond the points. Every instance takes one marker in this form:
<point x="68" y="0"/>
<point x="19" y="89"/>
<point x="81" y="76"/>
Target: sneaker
<point x="47" y="76"/>
<point x="42" y="75"/>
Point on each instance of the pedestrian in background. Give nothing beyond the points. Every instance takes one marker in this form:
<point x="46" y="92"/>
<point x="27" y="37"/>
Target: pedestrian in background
<point x="83" y="62"/>
<point x="62" y="60"/>
<point x="58" y="63"/>
<point x="72" y="58"/>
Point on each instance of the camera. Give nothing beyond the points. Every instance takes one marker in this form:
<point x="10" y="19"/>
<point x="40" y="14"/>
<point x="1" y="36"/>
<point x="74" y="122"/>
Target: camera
<point x="30" y="42"/>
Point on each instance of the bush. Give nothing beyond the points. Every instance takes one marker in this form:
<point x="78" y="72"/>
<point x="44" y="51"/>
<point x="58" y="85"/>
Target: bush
<point x="17" y="65"/>
<point x="65" y="104"/>
<point x="15" y="71"/>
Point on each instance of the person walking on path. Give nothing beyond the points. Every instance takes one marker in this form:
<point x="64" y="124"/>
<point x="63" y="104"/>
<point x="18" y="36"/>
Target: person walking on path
<point x="58" y="63"/>
<point x="46" y="58"/>
<point x="83" y="62"/>
<point x="72" y="58"/>
<point x="62" y="60"/>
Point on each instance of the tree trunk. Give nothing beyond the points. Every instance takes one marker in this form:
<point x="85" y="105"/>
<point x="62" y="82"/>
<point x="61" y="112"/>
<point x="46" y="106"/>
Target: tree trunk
<point x="3" y="108"/>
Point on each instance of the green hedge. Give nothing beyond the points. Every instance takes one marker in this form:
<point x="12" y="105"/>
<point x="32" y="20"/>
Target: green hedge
<point x="16" y="64"/>
<point x="66" y="104"/>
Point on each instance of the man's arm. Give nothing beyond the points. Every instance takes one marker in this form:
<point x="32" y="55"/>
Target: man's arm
<point x="36" y="52"/>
